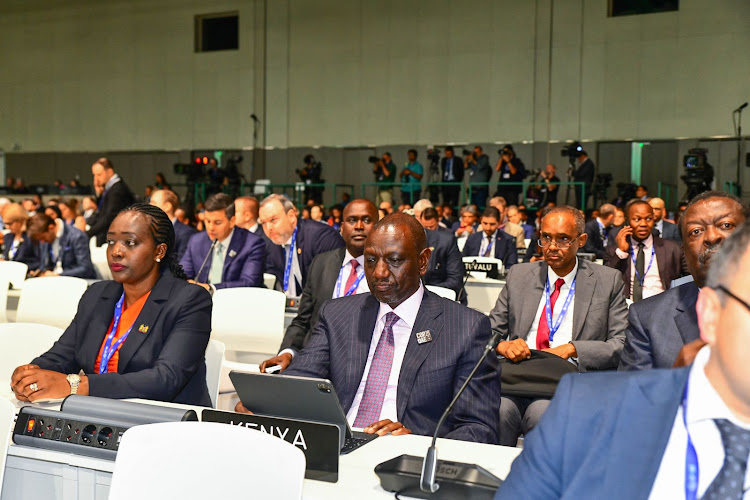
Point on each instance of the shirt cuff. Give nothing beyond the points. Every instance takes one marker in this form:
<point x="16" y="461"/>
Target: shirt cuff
<point x="287" y="351"/>
<point x="621" y="254"/>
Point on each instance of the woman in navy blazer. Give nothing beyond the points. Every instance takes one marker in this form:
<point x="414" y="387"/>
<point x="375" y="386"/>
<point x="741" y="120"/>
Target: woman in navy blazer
<point x="162" y="358"/>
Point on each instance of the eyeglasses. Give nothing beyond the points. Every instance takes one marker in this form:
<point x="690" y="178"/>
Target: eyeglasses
<point x="562" y="243"/>
<point x="724" y="289"/>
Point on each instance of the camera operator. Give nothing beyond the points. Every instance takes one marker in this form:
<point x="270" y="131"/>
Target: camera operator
<point x="550" y="186"/>
<point x="584" y="172"/>
<point x="385" y="174"/>
<point x="479" y="176"/>
<point x="512" y="170"/>
<point x="217" y="178"/>
<point x="452" y="172"/>
<point x="310" y="174"/>
<point x="411" y="178"/>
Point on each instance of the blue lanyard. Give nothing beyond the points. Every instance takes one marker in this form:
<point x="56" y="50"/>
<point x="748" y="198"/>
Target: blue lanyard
<point x="489" y="247"/>
<point x="101" y="199"/>
<point x="691" y="457"/>
<point x="109" y="349"/>
<point x="355" y="285"/>
<point x="651" y="261"/>
<point x="288" y="268"/>
<point x="548" y="308"/>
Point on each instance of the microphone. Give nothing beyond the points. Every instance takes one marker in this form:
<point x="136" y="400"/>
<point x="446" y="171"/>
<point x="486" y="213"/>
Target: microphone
<point x="743" y="106"/>
<point x="210" y="251"/>
<point x="427" y="481"/>
<point x="467" y="273"/>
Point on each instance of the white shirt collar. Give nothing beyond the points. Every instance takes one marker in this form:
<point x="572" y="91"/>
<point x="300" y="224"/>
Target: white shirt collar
<point x="112" y="181"/>
<point x="289" y="241"/>
<point x="253" y="228"/>
<point x="349" y="257"/>
<point x="647" y="243"/>
<point x="552" y="275"/>
<point x="60" y="228"/>
<point x="407" y="311"/>
<point x="225" y="241"/>
<point x="599" y="221"/>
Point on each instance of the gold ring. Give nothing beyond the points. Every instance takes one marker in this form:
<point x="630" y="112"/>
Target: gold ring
<point x="34" y="387"/>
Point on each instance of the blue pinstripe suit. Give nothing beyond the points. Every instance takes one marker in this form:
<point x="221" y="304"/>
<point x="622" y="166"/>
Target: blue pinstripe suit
<point x="431" y="373"/>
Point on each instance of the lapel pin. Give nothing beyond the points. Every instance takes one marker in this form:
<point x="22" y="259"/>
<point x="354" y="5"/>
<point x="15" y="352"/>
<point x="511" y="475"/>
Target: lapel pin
<point x="232" y="253"/>
<point x="432" y="249"/>
<point x="424" y="337"/>
<point x="143" y="329"/>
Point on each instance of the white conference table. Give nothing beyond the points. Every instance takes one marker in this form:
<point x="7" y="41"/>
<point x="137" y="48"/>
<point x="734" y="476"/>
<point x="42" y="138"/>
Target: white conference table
<point x="37" y="473"/>
<point x="482" y="293"/>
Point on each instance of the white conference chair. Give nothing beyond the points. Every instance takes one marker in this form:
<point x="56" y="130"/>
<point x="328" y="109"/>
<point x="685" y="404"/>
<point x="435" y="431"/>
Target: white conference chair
<point x="13" y="272"/>
<point x="50" y="301"/>
<point x="198" y="460"/>
<point x="442" y="292"/>
<point x="23" y="342"/>
<point x="7" y="416"/>
<point x="4" y="283"/>
<point x="527" y="242"/>
<point x="261" y="187"/>
<point x="269" y="280"/>
<point x="99" y="259"/>
<point x="214" y="360"/>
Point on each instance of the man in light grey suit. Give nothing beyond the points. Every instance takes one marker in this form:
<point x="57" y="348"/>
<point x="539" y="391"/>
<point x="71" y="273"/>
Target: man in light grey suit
<point x="663" y="329"/>
<point x="586" y="324"/>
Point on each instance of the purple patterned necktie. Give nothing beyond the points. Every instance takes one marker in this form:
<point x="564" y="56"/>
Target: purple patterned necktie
<point x="377" y="378"/>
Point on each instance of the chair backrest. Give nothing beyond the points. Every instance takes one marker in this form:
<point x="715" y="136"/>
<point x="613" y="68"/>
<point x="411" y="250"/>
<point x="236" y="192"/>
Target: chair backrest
<point x="442" y="291"/>
<point x="214" y="360"/>
<point x="14" y="272"/>
<point x="7" y="415"/>
<point x="269" y="280"/>
<point x="99" y="259"/>
<point x="261" y="186"/>
<point x="248" y="319"/>
<point x="527" y="242"/>
<point x="3" y="300"/>
<point x="197" y="460"/>
<point x="50" y="301"/>
<point x="23" y="342"/>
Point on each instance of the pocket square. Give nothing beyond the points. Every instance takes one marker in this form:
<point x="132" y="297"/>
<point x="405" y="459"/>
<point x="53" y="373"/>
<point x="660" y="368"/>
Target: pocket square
<point x="424" y="337"/>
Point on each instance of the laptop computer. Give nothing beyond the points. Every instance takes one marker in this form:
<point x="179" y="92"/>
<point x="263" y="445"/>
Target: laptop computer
<point x="299" y="398"/>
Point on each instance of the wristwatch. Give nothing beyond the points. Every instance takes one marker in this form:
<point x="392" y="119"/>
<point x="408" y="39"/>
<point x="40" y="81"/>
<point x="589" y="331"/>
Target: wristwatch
<point x="73" y="380"/>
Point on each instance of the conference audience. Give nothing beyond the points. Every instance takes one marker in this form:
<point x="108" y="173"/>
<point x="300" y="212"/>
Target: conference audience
<point x="142" y="335"/>
<point x="445" y="267"/>
<point x="169" y="202"/>
<point x="360" y="337"/>
<point x="246" y="213"/>
<point x="69" y="214"/>
<point x="224" y="256"/>
<point x="648" y="263"/>
<point x="63" y="249"/>
<point x="492" y="241"/>
<point x="466" y="224"/>
<point x="113" y="196"/>
<point x="17" y="245"/>
<point x="88" y="204"/>
<point x="563" y="305"/>
<point x="597" y="230"/>
<point x="292" y="243"/>
<point x="655" y="433"/>
<point x="662" y="227"/>
<point x="510" y="228"/>
<point x="663" y="330"/>
<point x="333" y="274"/>
<point x="517" y="215"/>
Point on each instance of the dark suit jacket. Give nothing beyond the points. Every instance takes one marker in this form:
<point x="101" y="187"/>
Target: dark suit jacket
<point x="28" y="251"/>
<point x="658" y="328"/>
<point x="458" y="168"/>
<point x="75" y="255"/>
<point x="243" y="261"/>
<point x="431" y="374"/>
<point x="504" y="247"/>
<point x="321" y="280"/>
<point x="599" y="311"/>
<point x="603" y="436"/>
<point x="110" y="203"/>
<point x="445" y="268"/>
<point x="166" y="363"/>
<point x="669" y="258"/>
<point x="671" y="232"/>
<point x="182" y="234"/>
<point x="313" y="238"/>
<point x="594" y="243"/>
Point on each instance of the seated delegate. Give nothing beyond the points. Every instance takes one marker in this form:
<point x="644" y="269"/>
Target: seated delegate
<point x="142" y="335"/>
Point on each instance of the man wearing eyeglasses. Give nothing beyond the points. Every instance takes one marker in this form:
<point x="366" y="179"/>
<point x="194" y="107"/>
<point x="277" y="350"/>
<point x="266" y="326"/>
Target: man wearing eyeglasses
<point x="656" y="433"/>
<point x="648" y="263"/>
<point x="562" y="305"/>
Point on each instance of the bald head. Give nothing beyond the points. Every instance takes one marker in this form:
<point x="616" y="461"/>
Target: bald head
<point x="658" y="205"/>
<point x="406" y="224"/>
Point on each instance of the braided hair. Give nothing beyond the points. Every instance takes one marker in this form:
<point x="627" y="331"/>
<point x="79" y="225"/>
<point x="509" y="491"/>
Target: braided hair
<point x="162" y="231"/>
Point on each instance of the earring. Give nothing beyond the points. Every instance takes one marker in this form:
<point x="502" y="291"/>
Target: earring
<point x="158" y="259"/>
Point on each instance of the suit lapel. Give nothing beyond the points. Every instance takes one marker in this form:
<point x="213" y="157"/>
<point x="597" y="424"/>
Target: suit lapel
<point x="360" y="348"/>
<point x="585" y="286"/>
<point x="687" y="320"/>
<point x="427" y="319"/>
<point x="99" y="325"/>
<point x="332" y="268"/>
<point x="661" y="260"/>
<point x="235" y="245"/>
<point x="531" y="300"/>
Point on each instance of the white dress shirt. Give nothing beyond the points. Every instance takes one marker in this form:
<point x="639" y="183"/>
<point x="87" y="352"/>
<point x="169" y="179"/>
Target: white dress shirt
<point x="565" y="333"/>
<point x="56" y="244"/>
<point x="659" y="226"/>
<point x="407" y="313"/>
<point x="703" y="406"/>
<point x="486" y="240"/>
<point x="295" y="274"/>
<point x="602" y="230"/>
<point x="652" y="284"/>
<point x="111" y="182"/>
<point x="344" y="273"/>
<point x="253" y="228"/>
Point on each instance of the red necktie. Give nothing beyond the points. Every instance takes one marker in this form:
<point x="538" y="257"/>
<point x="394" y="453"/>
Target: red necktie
<point x="542" y="331"/>
<point x="352" y="276"/>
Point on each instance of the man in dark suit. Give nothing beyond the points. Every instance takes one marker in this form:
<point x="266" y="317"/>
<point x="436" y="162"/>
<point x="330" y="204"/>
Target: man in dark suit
<point x="114" y="195"/>
<point x="399" y="355"/>
<point x="654" y="433"/>
<point x="292" y="243"/>
<point x="169" y="202"/>
<point x="587" y="327"/>
<point x="584" y="172"/>
<point x="492" y="241"/>
<point x="658" y="261"/>
<point x="663" y="330"/>
<point x="446" y="268"/>
<point x="453" y="171"/>
<point x="597" y="229"/>
<point x="663" y="228"/>
<point x="235" y="260"/>
<point x="63" y="249"/>
<point x="333" y="274"/>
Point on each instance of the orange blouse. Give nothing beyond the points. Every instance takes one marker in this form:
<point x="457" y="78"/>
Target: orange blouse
<point x="127" y="319"/>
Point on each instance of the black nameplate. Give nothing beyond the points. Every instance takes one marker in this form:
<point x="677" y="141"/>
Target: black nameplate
<point x="485" y="267"/>
<point x="319" y="442"/>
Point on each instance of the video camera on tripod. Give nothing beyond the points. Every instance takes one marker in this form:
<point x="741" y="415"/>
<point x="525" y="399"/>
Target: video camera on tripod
<point x="699" y="174"/>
